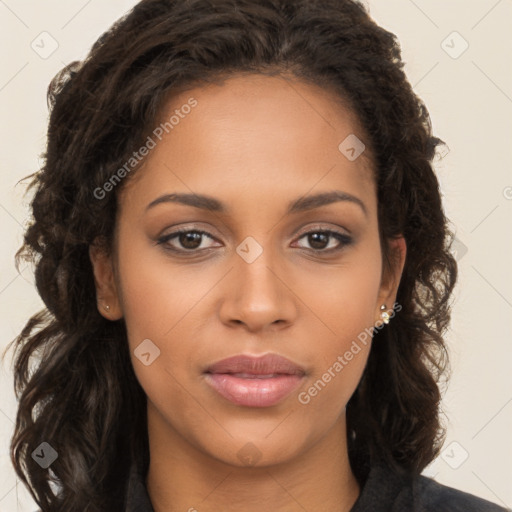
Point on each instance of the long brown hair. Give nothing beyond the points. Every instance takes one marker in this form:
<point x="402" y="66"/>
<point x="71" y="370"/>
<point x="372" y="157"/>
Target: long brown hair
<point x="74" y="380"/>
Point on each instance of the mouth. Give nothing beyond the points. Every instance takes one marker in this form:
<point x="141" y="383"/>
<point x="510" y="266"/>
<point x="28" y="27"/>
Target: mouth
<point x="254" y="381"/>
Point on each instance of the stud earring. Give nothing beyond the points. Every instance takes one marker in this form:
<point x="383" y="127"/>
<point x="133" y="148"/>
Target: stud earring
<point x="107" y="307"/>
<point x="384" y="314"/>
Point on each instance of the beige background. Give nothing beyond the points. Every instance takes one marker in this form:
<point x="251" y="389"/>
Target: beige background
<point x="470" y="101"/>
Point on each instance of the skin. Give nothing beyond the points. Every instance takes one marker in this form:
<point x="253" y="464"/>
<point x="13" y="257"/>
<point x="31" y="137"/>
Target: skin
<point x="255" y="143"/>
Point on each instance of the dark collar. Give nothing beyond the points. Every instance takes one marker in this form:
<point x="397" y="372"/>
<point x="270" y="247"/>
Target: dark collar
<point x="137" y="498"/>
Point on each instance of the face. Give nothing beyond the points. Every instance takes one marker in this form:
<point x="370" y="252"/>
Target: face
<point x="282" y="257"/>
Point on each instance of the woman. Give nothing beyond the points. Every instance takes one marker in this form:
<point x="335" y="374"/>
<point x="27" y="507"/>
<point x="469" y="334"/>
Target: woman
<point x="240" y="241"/>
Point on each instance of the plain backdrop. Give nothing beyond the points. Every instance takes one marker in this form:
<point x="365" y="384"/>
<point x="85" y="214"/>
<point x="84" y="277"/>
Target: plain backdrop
<point x="457" y="56"/>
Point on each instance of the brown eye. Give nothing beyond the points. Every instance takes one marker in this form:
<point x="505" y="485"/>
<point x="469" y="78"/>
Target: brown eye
<point x="319" y="240"/>
<point x="190" y="240"/>
<point x="185" y="240"/>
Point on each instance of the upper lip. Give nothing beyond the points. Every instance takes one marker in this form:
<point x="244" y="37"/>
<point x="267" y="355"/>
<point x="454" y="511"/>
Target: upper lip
<point x="261" y="365"/>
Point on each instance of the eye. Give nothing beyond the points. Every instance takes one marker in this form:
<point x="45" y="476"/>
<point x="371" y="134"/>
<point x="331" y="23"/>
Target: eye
<point x="326" y="240"/>
<point x="187" y="239"/>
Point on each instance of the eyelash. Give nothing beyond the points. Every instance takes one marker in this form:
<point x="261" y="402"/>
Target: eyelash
<point x="344" y="240"/>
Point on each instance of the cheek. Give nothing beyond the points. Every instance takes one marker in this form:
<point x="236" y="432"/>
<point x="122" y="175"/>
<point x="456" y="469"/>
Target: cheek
<point x="341" y="353"/>
<point x="158" y="305"/>
<point x="157" y="301"/>
<point x="343" y="298"/>
<point x="344" y="303"/>
<point x="156" y="293"/>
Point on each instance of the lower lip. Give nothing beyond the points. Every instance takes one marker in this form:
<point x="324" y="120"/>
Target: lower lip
<point x="263" y="392"/>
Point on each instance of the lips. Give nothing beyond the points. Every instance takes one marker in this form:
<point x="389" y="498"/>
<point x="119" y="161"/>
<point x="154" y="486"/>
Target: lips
<point x="269" y="364"/>
<point x="254" y="381"/>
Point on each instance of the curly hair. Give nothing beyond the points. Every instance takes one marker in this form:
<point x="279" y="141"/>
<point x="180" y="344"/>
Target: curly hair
<point x="73" y="375"/>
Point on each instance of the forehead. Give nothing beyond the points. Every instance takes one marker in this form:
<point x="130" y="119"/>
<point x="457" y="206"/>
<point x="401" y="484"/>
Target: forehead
<point x="274" y="133"/>
<point x="251" y="104"/>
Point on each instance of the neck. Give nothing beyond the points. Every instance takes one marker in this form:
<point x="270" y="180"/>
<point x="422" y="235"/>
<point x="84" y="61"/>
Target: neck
<point x="183" y="478"/>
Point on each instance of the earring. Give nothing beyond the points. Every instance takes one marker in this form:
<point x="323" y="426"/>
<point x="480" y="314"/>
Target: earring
<point x="384" y="315"/>
<point x="107" y="307"/>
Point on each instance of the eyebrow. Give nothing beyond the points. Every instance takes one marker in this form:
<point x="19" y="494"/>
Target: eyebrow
<point x="211" y="204"/>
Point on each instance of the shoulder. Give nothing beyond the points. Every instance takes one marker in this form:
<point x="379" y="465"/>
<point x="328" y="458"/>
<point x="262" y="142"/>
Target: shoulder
<point x="386" y="490"/>
<point x="433" y="496"/>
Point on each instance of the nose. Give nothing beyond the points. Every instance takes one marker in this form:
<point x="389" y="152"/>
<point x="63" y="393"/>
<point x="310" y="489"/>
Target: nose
<point x="258" y="295"/>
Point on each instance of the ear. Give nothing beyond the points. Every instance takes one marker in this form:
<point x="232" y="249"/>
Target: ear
<point x="106" y="290"/>
<point x="391" y="276"/>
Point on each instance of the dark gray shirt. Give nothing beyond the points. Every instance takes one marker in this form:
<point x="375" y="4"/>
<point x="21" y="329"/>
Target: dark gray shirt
<point x="383" y="491"/>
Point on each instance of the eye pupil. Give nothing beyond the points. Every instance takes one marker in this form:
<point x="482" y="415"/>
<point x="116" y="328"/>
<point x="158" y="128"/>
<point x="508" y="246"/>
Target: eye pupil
<point x="185" y="238"/>
<point x="315" y="237"/>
